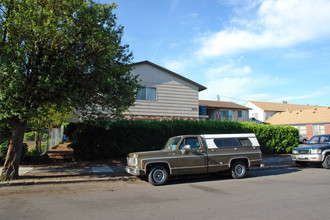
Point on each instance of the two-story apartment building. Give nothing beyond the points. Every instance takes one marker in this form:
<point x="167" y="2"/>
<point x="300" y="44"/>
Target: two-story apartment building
<point x="164" y="95"/>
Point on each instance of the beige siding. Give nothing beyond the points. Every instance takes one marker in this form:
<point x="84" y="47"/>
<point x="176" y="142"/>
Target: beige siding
<point x="175" y="96"/>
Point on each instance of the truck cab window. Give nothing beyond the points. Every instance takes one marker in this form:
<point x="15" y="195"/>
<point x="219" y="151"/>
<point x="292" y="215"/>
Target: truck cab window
<point x="193" y="142"/>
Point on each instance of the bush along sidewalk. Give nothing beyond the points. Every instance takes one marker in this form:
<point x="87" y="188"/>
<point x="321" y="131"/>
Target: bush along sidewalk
<point x="105" y="139"/>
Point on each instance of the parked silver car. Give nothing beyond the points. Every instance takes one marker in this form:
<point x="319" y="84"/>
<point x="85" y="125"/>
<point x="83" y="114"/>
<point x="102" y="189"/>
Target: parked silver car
<point x="303" y="139"/>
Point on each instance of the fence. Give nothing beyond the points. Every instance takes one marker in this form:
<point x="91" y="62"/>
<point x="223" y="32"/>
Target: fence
<point x="47" y="139"/>
<point x="56" y="136"/>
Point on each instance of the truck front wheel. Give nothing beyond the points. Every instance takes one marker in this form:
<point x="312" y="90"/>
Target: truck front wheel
<point x="326" y="162"/>
<point x="238" y="169"/>
<point x="158" y="175"/>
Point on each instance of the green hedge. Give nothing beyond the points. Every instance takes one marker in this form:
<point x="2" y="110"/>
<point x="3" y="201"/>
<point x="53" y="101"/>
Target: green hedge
<point x="105" y="139"/>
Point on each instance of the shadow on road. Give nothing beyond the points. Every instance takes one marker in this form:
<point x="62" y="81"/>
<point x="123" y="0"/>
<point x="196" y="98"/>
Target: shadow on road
<point x="224" y="176"/>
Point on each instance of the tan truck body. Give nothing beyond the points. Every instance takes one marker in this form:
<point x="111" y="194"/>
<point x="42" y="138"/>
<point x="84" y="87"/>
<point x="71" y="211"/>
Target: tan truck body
<point x="197" y="154"/>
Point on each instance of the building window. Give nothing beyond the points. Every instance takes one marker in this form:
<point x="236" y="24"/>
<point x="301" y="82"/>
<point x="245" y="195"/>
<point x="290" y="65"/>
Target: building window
<point x="302" y="129"/>
<point x="226" y="115"/>
<point x="242" y="114"/>
<point x="147" y="93"/>
<point x="318" y="129"/>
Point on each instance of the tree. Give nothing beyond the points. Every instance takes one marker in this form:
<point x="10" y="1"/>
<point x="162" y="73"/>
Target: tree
<point x="60" y="53"/>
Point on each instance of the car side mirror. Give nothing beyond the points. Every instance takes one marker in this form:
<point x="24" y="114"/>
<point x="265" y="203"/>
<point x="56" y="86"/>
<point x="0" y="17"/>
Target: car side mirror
<point x="185" y="149"/>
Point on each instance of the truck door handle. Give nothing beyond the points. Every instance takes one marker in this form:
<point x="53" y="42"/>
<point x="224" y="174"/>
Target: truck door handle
<point x="235" y="148"/>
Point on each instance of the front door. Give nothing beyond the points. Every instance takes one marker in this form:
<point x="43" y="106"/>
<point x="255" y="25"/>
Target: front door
<point x="194" y="160"/>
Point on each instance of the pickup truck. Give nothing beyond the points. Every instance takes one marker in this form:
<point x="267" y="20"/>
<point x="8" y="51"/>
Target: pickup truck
<point x="316" y="151"/>
<point x="197" y="154"/>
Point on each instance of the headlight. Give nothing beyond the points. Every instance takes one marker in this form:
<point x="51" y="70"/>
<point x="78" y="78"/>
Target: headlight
<point x="294" y="152"/>
<point x="316" y="151"/>
<point x="131" y="161"/>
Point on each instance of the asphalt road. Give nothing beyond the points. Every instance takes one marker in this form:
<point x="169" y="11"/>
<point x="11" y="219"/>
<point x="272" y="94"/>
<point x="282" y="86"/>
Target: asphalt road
<point x="293" y="193"/>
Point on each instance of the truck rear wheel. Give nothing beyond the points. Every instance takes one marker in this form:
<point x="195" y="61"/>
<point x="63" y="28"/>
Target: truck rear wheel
<point x="238" y="169"/>
<point x="326" y="162"/>
<point x="158" y="175"/>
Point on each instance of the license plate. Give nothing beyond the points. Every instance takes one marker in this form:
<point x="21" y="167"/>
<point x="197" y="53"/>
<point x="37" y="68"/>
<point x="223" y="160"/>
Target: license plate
<point x="302" y="157"/>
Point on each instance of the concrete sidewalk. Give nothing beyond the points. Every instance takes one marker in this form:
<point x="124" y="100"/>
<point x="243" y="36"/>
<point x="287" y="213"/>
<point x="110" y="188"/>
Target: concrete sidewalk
<point x="110" y="170"/>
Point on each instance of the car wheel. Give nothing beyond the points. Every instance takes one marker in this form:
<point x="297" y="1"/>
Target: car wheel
<point x="326" y="162"/>
<point x="158" y="175"/>
<point x="238" y="170"/>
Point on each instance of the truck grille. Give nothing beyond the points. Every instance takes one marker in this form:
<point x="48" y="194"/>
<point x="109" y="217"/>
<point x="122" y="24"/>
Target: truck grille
<point x="303" y="151"/>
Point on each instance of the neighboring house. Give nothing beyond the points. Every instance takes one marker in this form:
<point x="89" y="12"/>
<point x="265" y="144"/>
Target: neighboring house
<point x="261" y="111"/>
<point x="219" y="110"/>
<point x="165" y="95"/>
<point x="309" y="122"/>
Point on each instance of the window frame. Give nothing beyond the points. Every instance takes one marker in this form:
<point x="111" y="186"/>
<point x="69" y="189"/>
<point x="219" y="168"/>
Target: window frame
<point x="242" y="114"/>
<point x="318" y="129"/>
<point x="145" y="96"/>
<point x="225" y="117"/>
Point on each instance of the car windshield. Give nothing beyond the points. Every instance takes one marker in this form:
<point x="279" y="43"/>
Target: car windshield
<point x="171" y="143"/>
<point x="319" y="140"/>
<point x="314" y="140"/>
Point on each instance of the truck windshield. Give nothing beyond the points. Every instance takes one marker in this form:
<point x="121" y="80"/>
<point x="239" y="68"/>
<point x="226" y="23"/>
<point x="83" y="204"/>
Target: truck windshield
<point x="171" y="143"/>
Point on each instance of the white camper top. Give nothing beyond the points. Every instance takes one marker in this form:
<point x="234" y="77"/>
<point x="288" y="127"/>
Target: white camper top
<point x="210" y="137"/>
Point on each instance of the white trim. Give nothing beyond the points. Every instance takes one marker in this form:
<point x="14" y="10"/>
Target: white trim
<point x="212" y="136"/>
<point x="191" y="167"/>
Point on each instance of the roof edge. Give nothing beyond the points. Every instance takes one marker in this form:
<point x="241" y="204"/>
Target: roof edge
<point x="200" y="87"/>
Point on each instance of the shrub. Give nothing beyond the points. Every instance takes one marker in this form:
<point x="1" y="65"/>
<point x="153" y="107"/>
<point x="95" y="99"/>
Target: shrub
<point x="44" y="137"/>
<point x="31" y="154"/>
<point x="30" y="136"/>
<point x="4" y="148"/>
<point x="105" y="139"/>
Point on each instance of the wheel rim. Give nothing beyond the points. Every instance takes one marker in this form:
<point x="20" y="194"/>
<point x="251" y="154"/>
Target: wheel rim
<point x="328" y="162"/>
<point x="239" y="169"/>
<point x="158" y="176"/>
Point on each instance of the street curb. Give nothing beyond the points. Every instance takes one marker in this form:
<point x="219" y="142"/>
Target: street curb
<point x="111" y="179"/>
<point x="63" y="181"/>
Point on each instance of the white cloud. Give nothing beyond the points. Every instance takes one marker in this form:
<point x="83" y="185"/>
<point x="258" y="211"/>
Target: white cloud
<point x="241" y="83"/>
<point x="228" y="70"/>
<point x="297" y="54"/>
<point x="174" y="65"/>
<point x="278" y="23"/>
<point x="309" y="96"/>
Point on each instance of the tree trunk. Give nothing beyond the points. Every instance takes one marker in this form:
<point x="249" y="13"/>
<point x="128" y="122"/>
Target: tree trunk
<point x="11" y="165"/>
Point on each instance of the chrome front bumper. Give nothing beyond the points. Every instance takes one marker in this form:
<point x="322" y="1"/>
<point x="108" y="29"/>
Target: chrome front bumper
<point x="307" y="157"/>
<point x="133" y="171"/>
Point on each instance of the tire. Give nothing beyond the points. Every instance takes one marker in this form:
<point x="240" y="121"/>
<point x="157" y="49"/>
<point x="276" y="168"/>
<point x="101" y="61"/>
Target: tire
<point x="238" y="169"/>
<point x="158" y="175"/>
<point x="326" y="162"/>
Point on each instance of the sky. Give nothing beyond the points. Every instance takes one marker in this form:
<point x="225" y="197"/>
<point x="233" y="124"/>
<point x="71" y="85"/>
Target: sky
<point x="241" y="50"/>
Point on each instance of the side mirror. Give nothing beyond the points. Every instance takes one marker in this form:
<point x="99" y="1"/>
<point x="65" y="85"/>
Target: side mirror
<point x="185" y="149"/>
